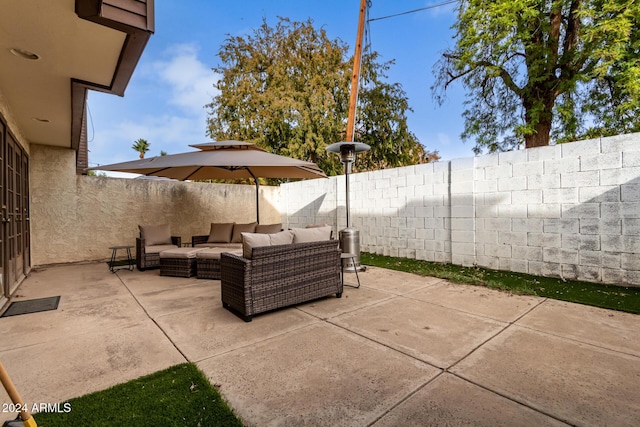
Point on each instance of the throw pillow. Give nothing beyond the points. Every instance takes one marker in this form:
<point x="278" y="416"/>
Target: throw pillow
<point x="282" y="238"/>
<point x="268" y="228"/>
<point x="253" y="240"/>
<point x="304" y="235"/>
<point x="238" y="229"/>
<point x="155" y="234"/>
<point x="220" y="232"/>
<point x="320" y="226"/>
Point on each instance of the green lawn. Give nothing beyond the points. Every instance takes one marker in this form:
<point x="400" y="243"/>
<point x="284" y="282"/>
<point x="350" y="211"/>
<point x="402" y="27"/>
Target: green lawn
<point x="621" y="298"/>
<point x="179" y="396"/>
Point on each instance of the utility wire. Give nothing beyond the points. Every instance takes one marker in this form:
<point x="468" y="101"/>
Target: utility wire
<point x="433" y="6"/>
<point x="367" y="41"/>
<point x="367" y="30"/>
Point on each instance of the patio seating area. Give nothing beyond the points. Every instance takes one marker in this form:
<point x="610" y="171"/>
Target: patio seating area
<point x="401" y="350"/>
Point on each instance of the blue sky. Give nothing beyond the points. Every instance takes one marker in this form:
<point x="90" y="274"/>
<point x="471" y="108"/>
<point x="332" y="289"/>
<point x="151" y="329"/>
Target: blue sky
<point x="164" y="102"/>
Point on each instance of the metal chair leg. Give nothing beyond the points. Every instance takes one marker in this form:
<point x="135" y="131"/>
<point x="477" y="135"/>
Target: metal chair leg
<point x="113" y="260"/>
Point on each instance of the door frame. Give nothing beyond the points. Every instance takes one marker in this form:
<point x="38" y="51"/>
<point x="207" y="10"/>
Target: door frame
<point x="15" y="230"/>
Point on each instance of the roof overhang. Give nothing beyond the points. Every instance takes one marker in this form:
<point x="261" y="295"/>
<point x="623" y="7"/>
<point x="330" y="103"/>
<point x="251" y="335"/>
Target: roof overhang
<point x="81" y="45"/>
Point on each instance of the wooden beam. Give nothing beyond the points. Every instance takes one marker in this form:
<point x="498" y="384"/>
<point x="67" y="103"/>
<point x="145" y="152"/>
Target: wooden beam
<point x="355" y="77"/>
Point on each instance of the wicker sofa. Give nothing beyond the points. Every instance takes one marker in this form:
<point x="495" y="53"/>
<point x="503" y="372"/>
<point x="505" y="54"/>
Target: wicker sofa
<point x="229" y="235"/>
<point x="280" y="276"/>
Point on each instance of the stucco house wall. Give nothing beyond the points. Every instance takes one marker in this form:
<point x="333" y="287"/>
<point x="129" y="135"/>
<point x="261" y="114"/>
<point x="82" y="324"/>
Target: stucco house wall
<point x="76" y="218"/>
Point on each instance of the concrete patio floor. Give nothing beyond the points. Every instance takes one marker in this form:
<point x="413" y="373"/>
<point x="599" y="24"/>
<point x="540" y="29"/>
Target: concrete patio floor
<point x="401" y="350"/>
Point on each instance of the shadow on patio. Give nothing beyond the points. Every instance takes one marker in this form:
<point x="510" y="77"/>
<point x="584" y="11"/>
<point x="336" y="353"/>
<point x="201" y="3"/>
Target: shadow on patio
<point x="402" y="349"/>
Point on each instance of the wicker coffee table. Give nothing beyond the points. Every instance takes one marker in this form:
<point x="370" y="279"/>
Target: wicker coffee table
<point x="179" y="262"/>
<point x="208" y="262"/>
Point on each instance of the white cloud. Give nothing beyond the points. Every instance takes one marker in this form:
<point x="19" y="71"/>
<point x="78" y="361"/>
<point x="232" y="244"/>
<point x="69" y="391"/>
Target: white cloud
<point x="171" y="118"/>
<point x="191" y="83"/>
<point x="443" y="139"/>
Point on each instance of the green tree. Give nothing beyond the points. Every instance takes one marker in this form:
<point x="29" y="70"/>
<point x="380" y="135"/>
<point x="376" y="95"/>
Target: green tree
<point x="287" y="89"/>
<point x="141" y="146"/>
<point x="541" y="69"/>
<point x="163" y="153"/>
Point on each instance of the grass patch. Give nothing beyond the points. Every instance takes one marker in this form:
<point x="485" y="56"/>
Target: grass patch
<point x="178" y="396"/>
<point x="621" y="298"/>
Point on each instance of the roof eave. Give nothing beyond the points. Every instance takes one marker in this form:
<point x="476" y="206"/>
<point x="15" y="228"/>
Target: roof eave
<point x="133" y="17"/>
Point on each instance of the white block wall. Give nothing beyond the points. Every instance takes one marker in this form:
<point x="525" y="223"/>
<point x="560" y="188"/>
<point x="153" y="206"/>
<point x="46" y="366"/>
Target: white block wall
<point x="571" y="210"/>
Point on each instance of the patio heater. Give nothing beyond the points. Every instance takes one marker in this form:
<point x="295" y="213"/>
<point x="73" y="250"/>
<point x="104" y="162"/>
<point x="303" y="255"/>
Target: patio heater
<point x="350" y="236"/>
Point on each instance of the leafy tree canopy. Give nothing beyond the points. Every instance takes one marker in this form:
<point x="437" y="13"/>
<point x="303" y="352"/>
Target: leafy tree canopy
<point x="541" y="70"/>
<point x="287" y="89"/>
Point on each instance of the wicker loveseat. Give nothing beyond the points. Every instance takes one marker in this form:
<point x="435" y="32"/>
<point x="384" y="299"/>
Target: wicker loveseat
<point x="280" y="276"/>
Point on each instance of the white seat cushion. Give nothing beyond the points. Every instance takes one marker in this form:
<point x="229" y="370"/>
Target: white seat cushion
<point x="180" y="253"/>
<point x="228" y="246"/>
<point x="214" y="253"/>
<point x="158" y="248"/>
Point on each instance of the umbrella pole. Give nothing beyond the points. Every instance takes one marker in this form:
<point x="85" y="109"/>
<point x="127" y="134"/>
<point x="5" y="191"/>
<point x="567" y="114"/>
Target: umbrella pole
<point x="257" y="196"/>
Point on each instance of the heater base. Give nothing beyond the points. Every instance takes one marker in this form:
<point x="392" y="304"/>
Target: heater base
<point x="350" y="243"/>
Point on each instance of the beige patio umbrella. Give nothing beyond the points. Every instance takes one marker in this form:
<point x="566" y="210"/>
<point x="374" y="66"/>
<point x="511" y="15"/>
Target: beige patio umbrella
<point x="221" y="160"/>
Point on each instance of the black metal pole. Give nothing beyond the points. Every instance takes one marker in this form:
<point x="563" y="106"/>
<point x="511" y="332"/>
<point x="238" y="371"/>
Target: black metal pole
<point x="257" y="195"/>
<point x="257" y="200"/>
<point x="346" y="177"/>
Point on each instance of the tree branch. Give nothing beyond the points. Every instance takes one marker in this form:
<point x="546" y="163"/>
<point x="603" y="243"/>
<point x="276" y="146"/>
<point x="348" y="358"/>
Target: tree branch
<point x="567" y="61"/>
<point x="473" y="66"/>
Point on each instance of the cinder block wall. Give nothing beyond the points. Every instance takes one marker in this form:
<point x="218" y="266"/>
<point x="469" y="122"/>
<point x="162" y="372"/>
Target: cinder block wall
<point x="571" y="210"/>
